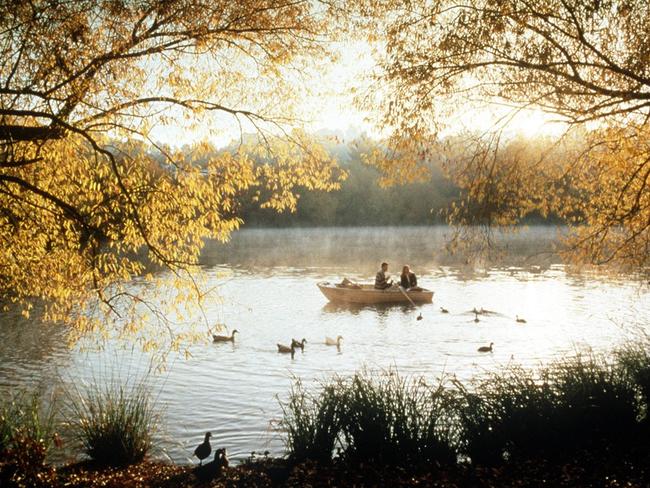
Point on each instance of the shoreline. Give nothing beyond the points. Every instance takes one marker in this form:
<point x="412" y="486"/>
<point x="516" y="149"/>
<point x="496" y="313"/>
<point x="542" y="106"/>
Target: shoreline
<point x="590" y="470"/>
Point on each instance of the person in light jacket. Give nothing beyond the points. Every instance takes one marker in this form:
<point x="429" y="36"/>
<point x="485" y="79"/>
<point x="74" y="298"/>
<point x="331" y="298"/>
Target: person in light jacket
<point x="381" y="279"/>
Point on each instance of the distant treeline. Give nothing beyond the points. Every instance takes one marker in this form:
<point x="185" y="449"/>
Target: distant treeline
<point x="361" y="201"/>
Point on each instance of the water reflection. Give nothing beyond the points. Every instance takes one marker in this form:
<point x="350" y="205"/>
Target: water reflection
<point x="381" y="309"/>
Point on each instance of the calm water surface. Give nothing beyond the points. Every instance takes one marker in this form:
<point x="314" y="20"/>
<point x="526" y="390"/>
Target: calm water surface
<point x="268" y="282"/>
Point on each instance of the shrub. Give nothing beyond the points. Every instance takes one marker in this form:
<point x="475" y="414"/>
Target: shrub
<point x="26" y="433"/>
<point x="572" y="405"/>
<point x="312" y="423"/>
<point x="114" y="423"/>
<point x="378" y="417"/>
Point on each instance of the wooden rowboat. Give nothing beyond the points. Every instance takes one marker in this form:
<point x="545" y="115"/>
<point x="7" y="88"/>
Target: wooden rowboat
<point x="367" y="294"/>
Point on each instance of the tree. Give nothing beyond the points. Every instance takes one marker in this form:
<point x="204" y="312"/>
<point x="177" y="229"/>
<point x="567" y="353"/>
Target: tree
<point x="586" y="61"/>
<point x="88" y="198"/>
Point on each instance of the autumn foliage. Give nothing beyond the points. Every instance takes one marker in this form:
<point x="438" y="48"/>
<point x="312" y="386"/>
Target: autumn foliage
<point x="584" y="62"/>
<point x="93" y="94"/>
<point x="89" y="195"/>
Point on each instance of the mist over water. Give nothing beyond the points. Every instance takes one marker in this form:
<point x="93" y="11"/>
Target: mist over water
<point x="267" y="283"/>
<point x="359" y="250"/>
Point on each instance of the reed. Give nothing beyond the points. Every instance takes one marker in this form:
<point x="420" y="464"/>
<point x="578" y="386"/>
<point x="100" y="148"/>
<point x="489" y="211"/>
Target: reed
<point x="113" y="423"/>
<point x="26" y="435"/>
<point x="503" y="414"/>
<point x="312" y="423"/>
<point x="634" y="362"/>
<point x="573" y="405"/>
<point x="601" y="403"/>
<point x="581" y="404"/>
<point x="392" y="419"/>
<point x="373" y="416"/>
<point x="25" y="416"/>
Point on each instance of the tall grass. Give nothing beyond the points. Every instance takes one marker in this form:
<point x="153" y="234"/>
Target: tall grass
<point x="574" y="405"/>
<point x="312" y="423"/>
<point x="505" y="412"/>
<point x="113" y="423"/>
<point x="24" y="416"/>
<point x="601" y="404"/>
<point x="26" y="434"/>
<point x="379" y="417"/>
<point x="634" y="362"/>
<point x="393" y="419"/>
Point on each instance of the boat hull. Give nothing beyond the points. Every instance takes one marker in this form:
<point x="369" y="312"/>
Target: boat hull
<point x="367" y="294"/>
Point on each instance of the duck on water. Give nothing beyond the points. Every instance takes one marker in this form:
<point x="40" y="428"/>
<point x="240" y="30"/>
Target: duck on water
<point x="225" y="338"/>
<point x="282" y="349"/>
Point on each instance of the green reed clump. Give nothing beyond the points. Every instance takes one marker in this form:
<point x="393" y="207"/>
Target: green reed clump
<point x="114" y="423"/>
<point x="506" y="413"/>
<point x="600" y="405"/>
<point x="312" y="422"/>
<point x="572" y="405"/>
<point x="380" y="417"/>
<point x="392" y="419"/>
<point x="26" y="434"/>
<point x="633" y="360"/>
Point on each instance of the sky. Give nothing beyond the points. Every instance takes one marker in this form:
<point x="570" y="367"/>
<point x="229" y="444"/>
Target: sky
<point x="329" y="106"/>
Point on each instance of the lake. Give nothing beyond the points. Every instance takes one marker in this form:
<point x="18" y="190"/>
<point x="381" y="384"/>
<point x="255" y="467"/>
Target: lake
<point x="267" y="284"/>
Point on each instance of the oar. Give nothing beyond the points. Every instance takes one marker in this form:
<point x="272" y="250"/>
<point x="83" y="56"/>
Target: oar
<point x="419" y="317"/>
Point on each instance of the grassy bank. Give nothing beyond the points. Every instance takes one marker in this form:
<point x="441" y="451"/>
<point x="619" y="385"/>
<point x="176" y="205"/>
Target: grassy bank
<point x="573" y="406"/>
<point x="26" y="434"/>
<point x="581" y="421"/>
<point x="113" y="424"/>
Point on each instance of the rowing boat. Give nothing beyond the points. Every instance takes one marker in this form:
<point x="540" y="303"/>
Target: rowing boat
<point x="368" y="294"/>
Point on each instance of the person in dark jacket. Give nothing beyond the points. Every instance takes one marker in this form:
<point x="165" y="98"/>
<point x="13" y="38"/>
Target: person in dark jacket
<point x="381" y="279"/>
<point x="408" y="280"/>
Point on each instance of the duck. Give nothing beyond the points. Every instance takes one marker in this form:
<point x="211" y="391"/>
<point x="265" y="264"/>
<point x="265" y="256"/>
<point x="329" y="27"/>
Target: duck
<point x="225" y="338"/>
<point x="215" y="467"/>
<point x="419" y="317"/>
<point x="444" y="310"/>
<point x="520" y="320"/>
<point x="282" y="349"/>
<point x="486" y="348"/>
<point x="333" y="342"/>
<point x="204" y="449"/>
<point x="299" y="344"/>
<point x="476" y="319"/>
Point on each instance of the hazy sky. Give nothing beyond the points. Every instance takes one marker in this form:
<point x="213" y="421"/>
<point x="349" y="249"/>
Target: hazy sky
<point x="330" y="106"/>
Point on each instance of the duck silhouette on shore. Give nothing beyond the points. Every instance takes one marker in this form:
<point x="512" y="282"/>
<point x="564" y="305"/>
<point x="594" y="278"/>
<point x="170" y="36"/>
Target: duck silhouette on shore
<point x="214" y="468"/>
<point x="204" y="449"/>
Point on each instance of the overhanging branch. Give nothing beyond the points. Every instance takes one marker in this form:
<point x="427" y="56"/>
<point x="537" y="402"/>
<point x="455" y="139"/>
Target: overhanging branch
<point x="29" y="133"/>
